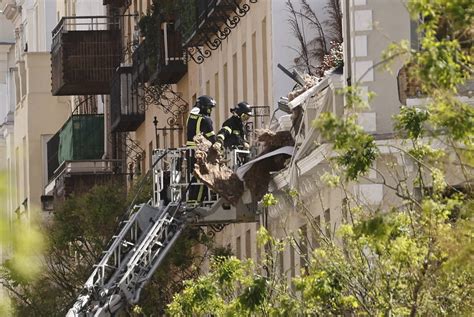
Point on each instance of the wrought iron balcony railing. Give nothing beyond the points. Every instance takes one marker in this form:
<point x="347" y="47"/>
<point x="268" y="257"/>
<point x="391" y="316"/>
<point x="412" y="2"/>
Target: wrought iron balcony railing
<point x="204" y="24"/>
<point x="84" y="54"/>
<point x="127" y="112"/>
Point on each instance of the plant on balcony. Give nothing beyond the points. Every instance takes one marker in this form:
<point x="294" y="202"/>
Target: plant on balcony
<point x="186" y="17"/>
<point x="314" y="47"/>
<point x="150" y="30"/>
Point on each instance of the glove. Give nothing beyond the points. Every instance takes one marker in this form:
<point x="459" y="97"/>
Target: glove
<point x="217" y="146"/>
<point x="246" y="146"/>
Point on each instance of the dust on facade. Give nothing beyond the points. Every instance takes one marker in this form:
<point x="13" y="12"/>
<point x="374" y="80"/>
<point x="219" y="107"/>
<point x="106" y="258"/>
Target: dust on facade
<point x="93" y="92"/>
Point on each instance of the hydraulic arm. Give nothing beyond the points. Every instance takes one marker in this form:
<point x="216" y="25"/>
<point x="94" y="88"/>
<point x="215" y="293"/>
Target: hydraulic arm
<point x="144" y="239"/>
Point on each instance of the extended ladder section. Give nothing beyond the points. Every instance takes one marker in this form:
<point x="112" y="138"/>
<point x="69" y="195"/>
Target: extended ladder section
<point x="150" y="232"/>
<point x="131" y="259"/>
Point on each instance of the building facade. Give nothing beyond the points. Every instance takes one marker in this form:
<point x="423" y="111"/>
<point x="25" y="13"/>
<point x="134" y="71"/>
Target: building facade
<point x="369" y="26"/>
<point x="152" y="64"/>
<point x="36" y="113"/>
<point x="152" y="93"/>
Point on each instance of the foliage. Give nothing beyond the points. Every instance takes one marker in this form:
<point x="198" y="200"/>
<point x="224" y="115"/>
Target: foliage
<point x="182" y="263"/>
<point x="269" y="200"/>
<point x="333" y="59"/>
<point x="77" y="236"/>
<point x="234" y="287"/>
<point x="357" y="149"/>
<point x="24" y="244"/>
<point x="323" y="51"/>
<point x="78" y="233"/>
<point x="409" y="256"/>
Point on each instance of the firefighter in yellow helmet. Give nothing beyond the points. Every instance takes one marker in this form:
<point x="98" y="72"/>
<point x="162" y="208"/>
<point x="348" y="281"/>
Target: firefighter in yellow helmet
<point x="199" y="122"/>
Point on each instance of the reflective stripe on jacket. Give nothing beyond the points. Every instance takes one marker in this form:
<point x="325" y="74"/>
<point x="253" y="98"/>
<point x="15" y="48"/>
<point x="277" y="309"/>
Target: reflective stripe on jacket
<point x="232" y="132"/>
<point x="197" y="124"/>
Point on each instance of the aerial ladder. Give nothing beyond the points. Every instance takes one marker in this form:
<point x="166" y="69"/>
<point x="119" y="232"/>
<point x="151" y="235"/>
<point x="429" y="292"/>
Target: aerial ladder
<point x="145" y="238"/>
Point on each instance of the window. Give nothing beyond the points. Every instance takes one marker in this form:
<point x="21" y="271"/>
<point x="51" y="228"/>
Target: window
<point x="17" y="175"/>
<point x="172" y="139"/>
<point x="244" y="71"/>
<point x="44" y="154"/>
<point x="142" y="165"/>
<point x="208" y="88"/>
<point x="316" y="243"/>
<point x="150" y="154"/>
<point x="218" y="100"/>
<point x="22" y="78"/>
<point x="238" y="248"/>
<point x="345" y="210"/>
<point x="292" y="265"/>
<point x="259" y="251"/>
<point x="235" y="79"/>
<point x="226" y="91"/>
<point x="327" y="222"/>
<point x="304" y="255"/>
<point x="265" y="63"/>
<point x="248" y="248"/>
<point x="254" y="69"/>
<point x="25" y="168"/>
<point x="281" y="261"/>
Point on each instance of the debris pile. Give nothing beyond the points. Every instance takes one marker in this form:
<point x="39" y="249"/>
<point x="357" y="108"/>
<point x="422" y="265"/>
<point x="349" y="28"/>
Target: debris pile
<point x="258" y="176"/>
<point x="211" y="169"/>
<point x="309" y="80"/>
<point x="333" y="61"/>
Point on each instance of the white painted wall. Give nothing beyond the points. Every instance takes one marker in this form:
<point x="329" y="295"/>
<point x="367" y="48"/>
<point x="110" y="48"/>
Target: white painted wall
<point x="88" y="7"/>
<point x="372" y="25"/>
<point x="7" y="38"/>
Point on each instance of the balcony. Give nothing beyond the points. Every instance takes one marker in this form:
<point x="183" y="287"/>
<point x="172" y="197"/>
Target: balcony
<point x="127" y="113"/>
<point x="143" y="63"/>
<point x="204" y="24"/>
<point x="74" y="155"/>
<point x="80" y="138"/>
<point x="160" y="58"/>
<point x="84" y="55"/>
<point x="171" y="66"/>
<point x="410" y="91"/>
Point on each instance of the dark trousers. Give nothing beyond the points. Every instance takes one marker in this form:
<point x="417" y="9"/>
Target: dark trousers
<point x="197" y="193"/>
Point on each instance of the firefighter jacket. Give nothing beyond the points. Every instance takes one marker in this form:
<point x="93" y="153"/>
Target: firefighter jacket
<point x="199" y="123"/>
<point x="232" y="132"/>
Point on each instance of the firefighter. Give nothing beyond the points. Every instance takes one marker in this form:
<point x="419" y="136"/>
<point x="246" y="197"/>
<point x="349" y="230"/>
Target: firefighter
<point x="232" y="133"/>
<point x="199" y="122"/>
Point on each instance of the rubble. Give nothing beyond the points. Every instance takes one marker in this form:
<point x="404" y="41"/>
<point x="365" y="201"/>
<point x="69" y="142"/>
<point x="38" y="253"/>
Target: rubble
<point x="211" y="169"/>
<point x="309" y="80"/>
<point x="258" y="177"/>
